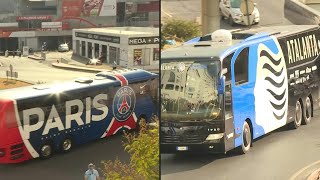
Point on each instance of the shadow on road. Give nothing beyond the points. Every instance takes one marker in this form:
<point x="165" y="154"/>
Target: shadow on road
<point x="70" y="165"/>
<point x="191" y="161"/>
<point x="176" y="163"/>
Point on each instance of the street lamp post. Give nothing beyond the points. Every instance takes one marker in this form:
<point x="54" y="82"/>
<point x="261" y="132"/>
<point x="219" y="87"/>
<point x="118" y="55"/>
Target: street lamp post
<point x="210" y="16"/>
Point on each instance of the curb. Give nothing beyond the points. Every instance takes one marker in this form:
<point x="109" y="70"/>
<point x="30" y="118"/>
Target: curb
<point x="309" y="172"/>
<point x="76" y="68"/>
<point x="315" y="175"/>
<point x="25" y="81"/>
<point x="35" y="58"/>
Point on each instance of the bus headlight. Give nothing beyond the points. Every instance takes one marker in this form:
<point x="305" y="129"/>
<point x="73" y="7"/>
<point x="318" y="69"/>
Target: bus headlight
<point x="214" y="137"/>
<point x="2" y="152"/>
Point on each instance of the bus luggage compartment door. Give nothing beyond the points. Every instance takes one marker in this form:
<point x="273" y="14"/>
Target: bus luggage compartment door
<point x="228" y="120"/>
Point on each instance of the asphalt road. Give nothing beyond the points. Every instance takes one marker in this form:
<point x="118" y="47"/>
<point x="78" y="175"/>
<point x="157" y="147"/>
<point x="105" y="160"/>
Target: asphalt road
<point x="34" y="71"/>
<point x="270" y="13"/>
<point x="276" y="156"/>
<point x="70" y="166"/>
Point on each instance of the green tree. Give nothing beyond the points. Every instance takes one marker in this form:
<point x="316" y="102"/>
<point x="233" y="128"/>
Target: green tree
<point x="182" y="29"/>
<point x="144" y="156"/>
<point x="163" y="41"/>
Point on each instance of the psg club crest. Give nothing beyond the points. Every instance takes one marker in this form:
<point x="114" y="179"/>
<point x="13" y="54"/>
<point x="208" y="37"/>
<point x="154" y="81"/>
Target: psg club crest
<point x="124" y="103"/>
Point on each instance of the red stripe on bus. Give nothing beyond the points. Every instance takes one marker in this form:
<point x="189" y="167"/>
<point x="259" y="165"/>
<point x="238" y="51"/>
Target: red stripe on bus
<point x="122" y="79"/>
<point x="130" y="122"/>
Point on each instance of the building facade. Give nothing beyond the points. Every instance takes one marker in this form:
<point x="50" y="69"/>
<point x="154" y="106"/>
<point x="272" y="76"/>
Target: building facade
<point x="50" y="22"/>
<point x="127" y="46"/>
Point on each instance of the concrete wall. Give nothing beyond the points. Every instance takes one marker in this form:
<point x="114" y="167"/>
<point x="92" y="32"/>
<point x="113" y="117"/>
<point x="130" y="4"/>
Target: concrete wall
<point x="31" y="42"/>
<point x="299" y="13"/>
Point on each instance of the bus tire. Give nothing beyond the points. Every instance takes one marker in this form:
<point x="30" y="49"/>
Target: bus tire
<point x="246" y="138"/>
<point x="297" y="116"/>
<point x="66" y="145"/>
<point x="307" y="113"/>
<point x="46" y="151"/>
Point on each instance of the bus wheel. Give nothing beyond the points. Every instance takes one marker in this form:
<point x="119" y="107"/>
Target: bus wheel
<point x="46" y="151"/>
<point x="246" y="138"/>
<point x="307" y="113"/>
<point x="66" y="145"/>
<point x="297" y="116"/>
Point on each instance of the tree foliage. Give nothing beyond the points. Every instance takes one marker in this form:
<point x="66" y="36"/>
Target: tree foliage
<point x="144" y="161"/>
<point x="163" y="41"/>
<point x="181" y="29"/>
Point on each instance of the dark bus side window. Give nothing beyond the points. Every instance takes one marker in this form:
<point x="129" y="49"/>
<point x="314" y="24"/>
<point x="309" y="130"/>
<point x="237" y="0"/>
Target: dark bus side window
<point x="241" y="67"/>
<point x="226" y="63"/>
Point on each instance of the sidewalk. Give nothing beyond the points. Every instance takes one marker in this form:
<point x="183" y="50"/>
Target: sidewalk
<point x="70" y="61"/>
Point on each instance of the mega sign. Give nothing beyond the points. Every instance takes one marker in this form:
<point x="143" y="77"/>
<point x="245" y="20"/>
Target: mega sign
<point x="144" y="40"/>
<point x="54" y="119"/>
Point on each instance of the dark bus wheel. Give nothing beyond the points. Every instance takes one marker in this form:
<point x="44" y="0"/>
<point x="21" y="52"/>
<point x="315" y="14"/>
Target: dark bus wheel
<point x="46" y="151"/>
<point x="246" y="138"/>
<point x="66" y="145"/>
<point x="297" y="116"/>
<point x="307" y="113"/>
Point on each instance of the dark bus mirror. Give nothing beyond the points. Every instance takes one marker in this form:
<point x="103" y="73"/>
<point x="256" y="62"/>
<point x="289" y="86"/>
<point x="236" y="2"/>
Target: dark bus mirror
<point x="221" y="86"/>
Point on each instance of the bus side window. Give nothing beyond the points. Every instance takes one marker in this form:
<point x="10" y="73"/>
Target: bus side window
<point x="227" y="64"/>
<point x="241" y="67"/>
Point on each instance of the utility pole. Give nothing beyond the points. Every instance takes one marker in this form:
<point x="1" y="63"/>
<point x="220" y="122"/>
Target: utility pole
<point x="210" y="16"/>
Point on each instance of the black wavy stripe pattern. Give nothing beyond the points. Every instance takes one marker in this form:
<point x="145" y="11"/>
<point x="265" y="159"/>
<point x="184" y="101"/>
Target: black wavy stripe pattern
<point x="278" y="97"/>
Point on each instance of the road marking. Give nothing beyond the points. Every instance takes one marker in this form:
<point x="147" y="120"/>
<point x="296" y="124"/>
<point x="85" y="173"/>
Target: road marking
<point x="166" y="13"/>
<point x="303" y="169"/>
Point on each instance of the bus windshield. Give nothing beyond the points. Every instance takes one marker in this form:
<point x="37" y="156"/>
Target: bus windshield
<point x="189" y="91"/>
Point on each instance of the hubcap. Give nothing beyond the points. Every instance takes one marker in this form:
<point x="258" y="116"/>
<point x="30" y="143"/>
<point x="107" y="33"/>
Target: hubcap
<point x="247" y="137"/>
<point x="66" y="144"/>
<point x="46" y="150"/>
<point x="298" y="113"/>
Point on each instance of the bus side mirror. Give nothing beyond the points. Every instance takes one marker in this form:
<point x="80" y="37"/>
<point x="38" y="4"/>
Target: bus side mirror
<point x="221" y="87"/>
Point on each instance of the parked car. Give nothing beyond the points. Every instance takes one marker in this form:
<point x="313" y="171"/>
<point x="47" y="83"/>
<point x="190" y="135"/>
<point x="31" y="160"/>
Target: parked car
<point x="230" y="10"/>
<point x="63" y="47"/>
<point x="94" y="62"/>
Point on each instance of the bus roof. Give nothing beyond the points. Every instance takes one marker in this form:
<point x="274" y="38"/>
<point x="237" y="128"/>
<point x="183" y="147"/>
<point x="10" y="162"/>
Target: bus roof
<point x="196" y="50"/>
<point x="101" y="80"/>
<point x="207" y="49"/>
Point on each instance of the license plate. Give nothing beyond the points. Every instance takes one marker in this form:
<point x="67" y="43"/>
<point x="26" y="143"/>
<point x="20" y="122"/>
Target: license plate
<point x="182" y="148"/>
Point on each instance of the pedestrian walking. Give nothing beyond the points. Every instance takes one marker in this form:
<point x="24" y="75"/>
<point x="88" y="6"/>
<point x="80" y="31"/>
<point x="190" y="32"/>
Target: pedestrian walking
<point x="13" y="54"/>
<point x="91" y="173"/>
<point x="114" y="66"/>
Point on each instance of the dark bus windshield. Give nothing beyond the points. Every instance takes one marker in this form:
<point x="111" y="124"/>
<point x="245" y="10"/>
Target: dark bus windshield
<point x="189" y="90"/>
